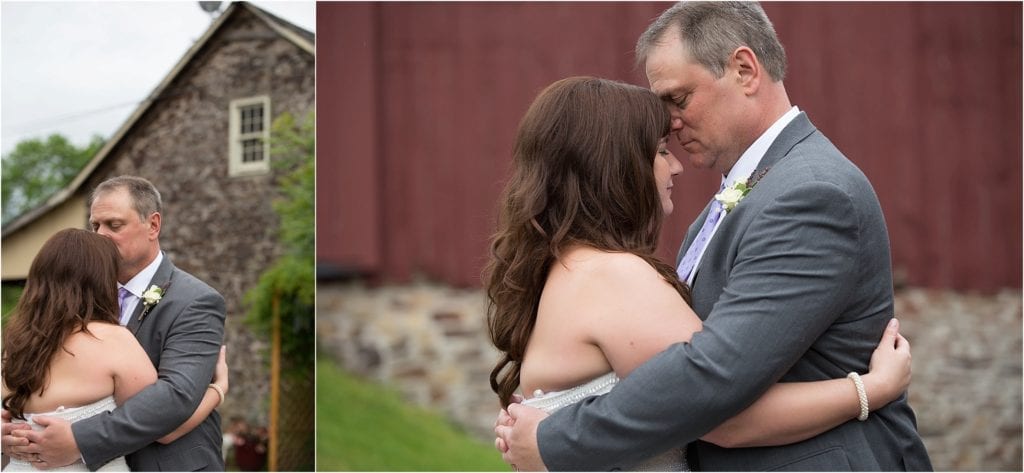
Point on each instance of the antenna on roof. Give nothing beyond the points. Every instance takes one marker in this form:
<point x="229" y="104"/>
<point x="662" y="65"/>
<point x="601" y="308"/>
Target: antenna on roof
<point x="213" y="8"/>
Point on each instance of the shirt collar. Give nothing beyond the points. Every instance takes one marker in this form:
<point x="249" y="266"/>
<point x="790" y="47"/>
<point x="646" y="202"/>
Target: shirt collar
<point x="748" y="162"/>
<point x="137" y="284"/>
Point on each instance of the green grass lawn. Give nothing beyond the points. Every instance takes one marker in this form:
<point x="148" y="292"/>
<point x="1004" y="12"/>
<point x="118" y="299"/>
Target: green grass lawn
<point x="363" y="426"/>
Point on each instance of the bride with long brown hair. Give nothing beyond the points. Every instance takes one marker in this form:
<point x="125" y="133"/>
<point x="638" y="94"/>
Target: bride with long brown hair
<point x="577" y="297"/>
<point x="64" y="353"/>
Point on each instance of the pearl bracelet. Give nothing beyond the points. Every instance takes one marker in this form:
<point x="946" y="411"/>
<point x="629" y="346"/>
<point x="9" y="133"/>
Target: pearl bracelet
<point x="862" y="395"/>
<point x="220" y="392"/>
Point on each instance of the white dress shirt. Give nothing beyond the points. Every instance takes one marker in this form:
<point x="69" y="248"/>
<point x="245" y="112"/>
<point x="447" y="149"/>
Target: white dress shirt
<point x="137" y="286"/>
<point x="743" y="168"/>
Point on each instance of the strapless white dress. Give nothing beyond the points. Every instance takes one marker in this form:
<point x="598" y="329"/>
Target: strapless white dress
<point x="672" y="460"/>
<point x="71" y="415"/>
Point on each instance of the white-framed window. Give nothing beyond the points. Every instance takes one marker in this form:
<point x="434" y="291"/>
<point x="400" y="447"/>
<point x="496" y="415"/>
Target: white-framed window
<point x="249" y="138"/>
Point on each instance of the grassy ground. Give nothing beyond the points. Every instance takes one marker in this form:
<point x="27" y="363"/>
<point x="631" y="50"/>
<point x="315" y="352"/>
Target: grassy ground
<point x="362" y="426"/>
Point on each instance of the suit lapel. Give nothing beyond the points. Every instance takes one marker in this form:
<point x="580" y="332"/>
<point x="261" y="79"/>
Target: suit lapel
<point x="796" y="131"/>
<point x="162" y="278"/>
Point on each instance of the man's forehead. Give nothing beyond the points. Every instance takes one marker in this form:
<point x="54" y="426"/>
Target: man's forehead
<point x="101" y="216"/>
<point x="665" y="69"/>
<point x="104" y="215"/>
<point x="108" y="208"/>
<point x="664" y="86"/>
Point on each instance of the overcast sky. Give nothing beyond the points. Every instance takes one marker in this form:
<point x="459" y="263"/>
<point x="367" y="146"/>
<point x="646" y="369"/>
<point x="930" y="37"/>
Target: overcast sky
<point x="81" y="68"/>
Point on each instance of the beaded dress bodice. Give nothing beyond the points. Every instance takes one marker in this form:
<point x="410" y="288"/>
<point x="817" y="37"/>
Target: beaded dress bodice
<point x="72" y="415"/>
<point x="672" y="460"/>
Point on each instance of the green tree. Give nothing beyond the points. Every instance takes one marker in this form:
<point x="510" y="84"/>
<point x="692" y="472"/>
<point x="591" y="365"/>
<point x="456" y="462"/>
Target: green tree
<point x="9" y="295"/>
<point x="290" y="282"/>
<point x="291" y="277"/>
<point x="37" y="168"/>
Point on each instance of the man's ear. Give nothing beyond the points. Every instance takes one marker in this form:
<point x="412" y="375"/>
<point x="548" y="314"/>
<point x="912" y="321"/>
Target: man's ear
<point x="747" y="69"/>
<point x="154" y="226"/>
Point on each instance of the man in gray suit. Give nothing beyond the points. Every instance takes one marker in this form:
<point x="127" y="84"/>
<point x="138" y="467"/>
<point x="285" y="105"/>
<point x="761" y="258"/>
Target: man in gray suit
<point x="793" y="282"/>
<point x="182" y="334"/>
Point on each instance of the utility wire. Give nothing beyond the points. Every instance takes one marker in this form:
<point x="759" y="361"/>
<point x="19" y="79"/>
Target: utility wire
<point x="50" y="122"/>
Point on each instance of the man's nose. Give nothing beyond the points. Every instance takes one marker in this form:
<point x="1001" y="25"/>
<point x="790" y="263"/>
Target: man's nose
<point x="677" y="123"/>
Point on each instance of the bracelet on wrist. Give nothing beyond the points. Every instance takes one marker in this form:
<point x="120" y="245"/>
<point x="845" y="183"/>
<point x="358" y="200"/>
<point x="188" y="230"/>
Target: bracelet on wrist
<point x="862" y="395"/>
<point x="220" y="393"/>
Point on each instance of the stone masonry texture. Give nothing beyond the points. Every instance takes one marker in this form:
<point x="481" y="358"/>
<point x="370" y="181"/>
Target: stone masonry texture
<point x="429" y="342"/>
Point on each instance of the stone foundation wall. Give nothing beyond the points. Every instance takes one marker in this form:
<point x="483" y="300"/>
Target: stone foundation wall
<point x="430" y="342"/>
<point x="966" y="389"/>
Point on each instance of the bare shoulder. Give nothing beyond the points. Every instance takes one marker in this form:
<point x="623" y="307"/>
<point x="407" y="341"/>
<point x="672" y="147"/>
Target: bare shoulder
<point x="102" y="339"/>
<point x="618" y="303"/>
<point x="89" y="352"/>
<point x="103" y="332"/>
<point x="613" y="270"/>
<point x="602" y="283"/>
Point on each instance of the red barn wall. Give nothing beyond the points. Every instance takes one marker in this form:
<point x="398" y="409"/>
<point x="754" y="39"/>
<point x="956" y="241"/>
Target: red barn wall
<point x="418" y="105"/>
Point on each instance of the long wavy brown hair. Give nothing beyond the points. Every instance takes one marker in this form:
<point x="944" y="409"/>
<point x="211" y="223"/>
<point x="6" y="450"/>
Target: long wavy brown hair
<point x="72" y="281"/>
<point x="582" y="174"/>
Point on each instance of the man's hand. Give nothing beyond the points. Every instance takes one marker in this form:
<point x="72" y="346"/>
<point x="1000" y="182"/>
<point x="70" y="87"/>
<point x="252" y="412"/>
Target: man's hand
<point x="13" y="446"/>
<point x="517" y="437"/>
<point x="504" y="419"/>
<point x="52" y="447"/>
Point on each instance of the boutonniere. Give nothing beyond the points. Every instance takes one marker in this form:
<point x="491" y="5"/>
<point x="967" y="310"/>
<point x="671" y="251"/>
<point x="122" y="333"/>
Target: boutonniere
<point x="151" y="298"/>
<point x="731" y="196"/>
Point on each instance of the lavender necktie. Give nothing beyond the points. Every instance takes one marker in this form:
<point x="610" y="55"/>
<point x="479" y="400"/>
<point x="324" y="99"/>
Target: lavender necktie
<point x="122" y="299"/>
<point x="686" y="266"/>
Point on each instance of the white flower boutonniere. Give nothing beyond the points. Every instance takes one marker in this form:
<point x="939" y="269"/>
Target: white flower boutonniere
<point x="732" y="195"/>
<point x="151" y="298"/>
<point x="152" y="295"/>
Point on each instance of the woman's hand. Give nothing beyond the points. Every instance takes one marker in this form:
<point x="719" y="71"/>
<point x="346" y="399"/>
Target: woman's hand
<point x="889" y="375"/>
<point x="220" y="374"/>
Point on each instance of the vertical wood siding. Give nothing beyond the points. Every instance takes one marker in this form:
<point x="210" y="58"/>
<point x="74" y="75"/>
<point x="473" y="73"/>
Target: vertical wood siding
<point x="418" y="106"/>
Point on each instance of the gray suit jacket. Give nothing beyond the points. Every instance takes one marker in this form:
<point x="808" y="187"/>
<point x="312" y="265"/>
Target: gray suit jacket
<point x="796" y="285"/>
<point x="182" y="335"/>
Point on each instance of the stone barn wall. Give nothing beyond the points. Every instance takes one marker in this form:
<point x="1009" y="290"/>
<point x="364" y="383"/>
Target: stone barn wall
<point x="429" y="342"/>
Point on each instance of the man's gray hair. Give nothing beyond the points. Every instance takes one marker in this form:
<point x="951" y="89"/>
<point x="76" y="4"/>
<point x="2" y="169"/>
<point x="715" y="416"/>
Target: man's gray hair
<point x="145" y="197"/>
<point x="711" y="31"/>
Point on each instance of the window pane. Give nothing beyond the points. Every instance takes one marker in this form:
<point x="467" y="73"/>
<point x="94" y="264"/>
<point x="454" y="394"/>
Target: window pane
<point x="252" y="150"/>
<point x="251" y="118"/>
